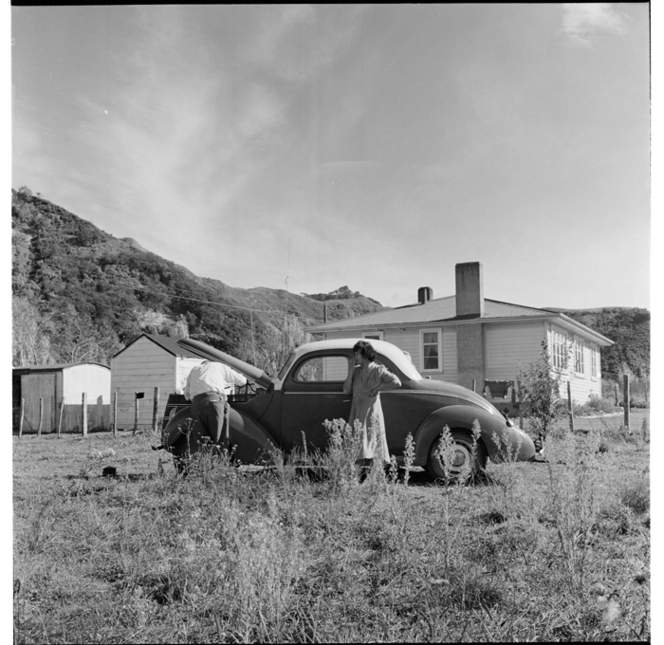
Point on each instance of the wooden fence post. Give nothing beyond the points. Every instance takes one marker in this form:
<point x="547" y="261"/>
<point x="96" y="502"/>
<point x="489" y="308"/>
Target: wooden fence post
<point x="62" y="407"/>
<point x="133" y="434"/>
<point x="155" y="410"/>
<point x="115" y="413"/>
<point x="41" y="415"/>
<point x="626" y="398"/>
<point x="84" y="416"/>
<point x="570" y="406"/>
<point x="20" y="423"/>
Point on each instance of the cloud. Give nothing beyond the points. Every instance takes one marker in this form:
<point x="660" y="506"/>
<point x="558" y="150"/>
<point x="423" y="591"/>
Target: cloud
<point x="297" y="41"/>
<point x="582" y="22"/>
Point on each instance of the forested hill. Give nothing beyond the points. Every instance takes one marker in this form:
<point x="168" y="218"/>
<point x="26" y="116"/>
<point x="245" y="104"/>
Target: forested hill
<point x="82" y="294"/>
<point x="629" y="329"/>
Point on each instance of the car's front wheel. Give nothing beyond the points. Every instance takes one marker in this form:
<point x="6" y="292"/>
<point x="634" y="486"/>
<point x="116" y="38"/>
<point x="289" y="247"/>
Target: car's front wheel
<point x="456" y="459"/>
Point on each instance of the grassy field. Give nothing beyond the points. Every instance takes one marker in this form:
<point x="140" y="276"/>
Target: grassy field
<point x="554" y="551"/>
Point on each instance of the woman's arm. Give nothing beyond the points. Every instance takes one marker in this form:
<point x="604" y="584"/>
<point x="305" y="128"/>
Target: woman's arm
<point x="388" y="381"/>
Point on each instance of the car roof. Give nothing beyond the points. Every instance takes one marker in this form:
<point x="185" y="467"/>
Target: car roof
<point x="389" y="350"/>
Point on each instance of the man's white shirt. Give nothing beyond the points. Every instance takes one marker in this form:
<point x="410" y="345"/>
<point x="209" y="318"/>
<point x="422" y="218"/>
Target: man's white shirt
<point x="212" y="377"/>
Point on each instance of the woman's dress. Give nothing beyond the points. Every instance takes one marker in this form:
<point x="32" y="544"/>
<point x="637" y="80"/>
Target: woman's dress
<point x="368" y="410"/>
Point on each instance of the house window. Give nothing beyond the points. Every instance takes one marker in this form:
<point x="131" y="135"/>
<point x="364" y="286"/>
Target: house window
<point x="373" y="335"/>
<point x="559" y="350"/>
<point x="593" y="362"/>
<point x="431" y="350"/>
<point x="578" y="357"/>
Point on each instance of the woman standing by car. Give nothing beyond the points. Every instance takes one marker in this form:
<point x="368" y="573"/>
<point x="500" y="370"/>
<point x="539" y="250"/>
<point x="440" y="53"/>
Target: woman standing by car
<point x="365" y="380"/>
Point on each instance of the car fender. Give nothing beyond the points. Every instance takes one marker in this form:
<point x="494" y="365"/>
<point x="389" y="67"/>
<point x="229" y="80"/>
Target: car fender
<point x="456" y="416"/>
<point x="252" y="443"/>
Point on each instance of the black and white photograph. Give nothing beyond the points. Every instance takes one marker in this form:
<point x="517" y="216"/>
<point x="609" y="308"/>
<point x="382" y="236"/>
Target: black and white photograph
<point x="331" y="323"/>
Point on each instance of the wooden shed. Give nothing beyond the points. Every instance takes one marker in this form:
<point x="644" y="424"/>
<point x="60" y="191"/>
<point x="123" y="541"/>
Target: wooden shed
<point x="47" y="387"/>
<point x="149" y="362"/>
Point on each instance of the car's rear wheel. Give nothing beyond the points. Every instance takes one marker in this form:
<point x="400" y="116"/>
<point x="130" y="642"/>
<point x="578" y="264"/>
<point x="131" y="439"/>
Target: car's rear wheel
<point x="461" y="460"/>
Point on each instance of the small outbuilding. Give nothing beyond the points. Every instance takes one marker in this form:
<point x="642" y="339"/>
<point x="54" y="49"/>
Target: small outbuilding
<point x="44" y="389"/>
<point x="149" y="362"/>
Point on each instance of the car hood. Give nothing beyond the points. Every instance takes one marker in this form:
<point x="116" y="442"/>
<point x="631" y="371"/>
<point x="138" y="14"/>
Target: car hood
<point x="206" y="351"/>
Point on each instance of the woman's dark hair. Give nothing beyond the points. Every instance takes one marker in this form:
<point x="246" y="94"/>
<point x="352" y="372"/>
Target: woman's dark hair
<point x="365" y="349"/>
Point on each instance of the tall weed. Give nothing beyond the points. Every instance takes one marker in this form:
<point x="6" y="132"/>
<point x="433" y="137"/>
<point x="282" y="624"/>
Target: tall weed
<point x="573" y="482"/>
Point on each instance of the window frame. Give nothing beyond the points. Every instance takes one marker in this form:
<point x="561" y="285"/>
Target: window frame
<point x="559" y="358"/>
<point x="439" y="335"/>
<point x="579" y="356"/>
<point x="312" y="357"/>
<point x="594" y="363"/>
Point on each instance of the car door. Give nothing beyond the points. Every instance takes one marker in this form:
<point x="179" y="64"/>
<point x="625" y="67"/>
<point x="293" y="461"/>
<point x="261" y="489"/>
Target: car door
<point x="312" y="393"/>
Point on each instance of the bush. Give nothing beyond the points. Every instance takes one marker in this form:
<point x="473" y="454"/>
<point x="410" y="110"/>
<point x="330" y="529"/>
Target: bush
<point x="594" y="405"/>
<point x="636" y="496"/>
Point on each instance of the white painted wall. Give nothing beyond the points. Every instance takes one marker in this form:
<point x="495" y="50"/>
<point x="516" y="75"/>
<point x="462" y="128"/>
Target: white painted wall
<point x="94" y="380"/>
<point x="183" y="367"/>
<point x="508" y="344"/>
<point x="582" y="384"/>
<point x="141" y="367"/>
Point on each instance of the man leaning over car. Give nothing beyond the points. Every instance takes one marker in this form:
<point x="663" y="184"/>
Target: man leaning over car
<point x="208" y="385"/>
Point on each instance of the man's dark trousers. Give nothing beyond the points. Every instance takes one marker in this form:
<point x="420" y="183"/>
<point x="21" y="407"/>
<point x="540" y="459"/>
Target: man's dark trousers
<point x="207" y="410"/>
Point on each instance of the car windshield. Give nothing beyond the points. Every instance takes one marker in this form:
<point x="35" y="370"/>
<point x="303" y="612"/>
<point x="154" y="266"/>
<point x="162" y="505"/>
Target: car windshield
<point x="286" y="367"/>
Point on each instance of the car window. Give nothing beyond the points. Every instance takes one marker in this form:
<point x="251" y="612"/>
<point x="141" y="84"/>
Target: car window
<point x="322" y="369"/>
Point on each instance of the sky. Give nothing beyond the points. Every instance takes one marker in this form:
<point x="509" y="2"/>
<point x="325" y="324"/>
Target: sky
<point x="375" y="146"/>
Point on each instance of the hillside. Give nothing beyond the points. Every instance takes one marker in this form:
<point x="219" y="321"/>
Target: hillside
<point x="82" y="294"/>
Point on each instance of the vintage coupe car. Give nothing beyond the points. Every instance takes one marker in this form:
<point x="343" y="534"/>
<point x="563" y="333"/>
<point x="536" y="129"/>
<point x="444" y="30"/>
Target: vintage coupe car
<point x="278" y="412"/>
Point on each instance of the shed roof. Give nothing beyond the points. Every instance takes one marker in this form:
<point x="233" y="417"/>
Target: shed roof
<point x="166" y="343"/>
<point x="443" y="310"/>
<point x="53" y="367"/>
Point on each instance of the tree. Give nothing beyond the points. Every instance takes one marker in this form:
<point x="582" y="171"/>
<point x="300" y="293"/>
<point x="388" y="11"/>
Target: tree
<point x="272" y="346"/>
<point x="30" y="343"/>
<point x="539" y="392"/>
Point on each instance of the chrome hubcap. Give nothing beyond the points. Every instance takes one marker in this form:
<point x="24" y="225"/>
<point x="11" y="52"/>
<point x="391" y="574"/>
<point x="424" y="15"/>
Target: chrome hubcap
<point x="460" y="457"/>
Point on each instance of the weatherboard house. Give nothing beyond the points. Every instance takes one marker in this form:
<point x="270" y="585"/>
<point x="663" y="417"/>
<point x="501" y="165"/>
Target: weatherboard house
<point x="480" y="343"/>
<point x="148" y="362"/>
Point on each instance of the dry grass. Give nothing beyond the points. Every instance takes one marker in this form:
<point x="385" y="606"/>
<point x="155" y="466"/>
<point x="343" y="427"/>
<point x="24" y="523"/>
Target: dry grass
<point x="538" y="551"/>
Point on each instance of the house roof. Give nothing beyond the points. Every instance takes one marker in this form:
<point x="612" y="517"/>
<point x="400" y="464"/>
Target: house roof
<point x="54" y="367"/>
<point x="443" y="310"/>
<point x="166" y="343"/>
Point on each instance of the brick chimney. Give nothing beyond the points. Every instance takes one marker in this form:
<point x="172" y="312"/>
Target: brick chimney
<point x="424" y="294"/>
<point x="469" y="290"/>
<point x="470" y="335"/>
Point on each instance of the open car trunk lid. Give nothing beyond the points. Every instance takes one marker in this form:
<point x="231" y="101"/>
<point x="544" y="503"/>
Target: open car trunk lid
<point x="206" y="351"/>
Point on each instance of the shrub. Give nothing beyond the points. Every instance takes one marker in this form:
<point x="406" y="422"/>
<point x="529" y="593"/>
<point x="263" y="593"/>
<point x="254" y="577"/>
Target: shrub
<point x="636" y="496"/>
<point x="594" y="405"/>
<point x="539" y="388"/>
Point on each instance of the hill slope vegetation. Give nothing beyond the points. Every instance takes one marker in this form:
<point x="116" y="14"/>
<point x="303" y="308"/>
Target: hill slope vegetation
<point x="82" y="294"/>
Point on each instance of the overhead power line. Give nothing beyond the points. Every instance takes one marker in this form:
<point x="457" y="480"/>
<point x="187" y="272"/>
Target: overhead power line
<point x="221" y="304"/>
